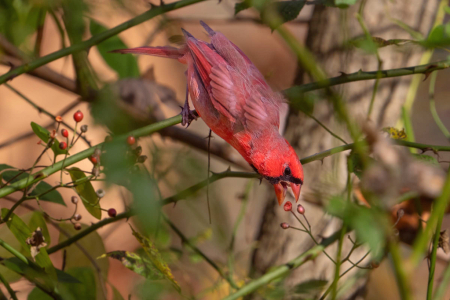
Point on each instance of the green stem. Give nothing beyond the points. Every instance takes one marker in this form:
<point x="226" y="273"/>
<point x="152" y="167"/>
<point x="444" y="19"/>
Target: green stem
<point x="187" y="242"/>
<point x="153" y="12"/>
<point x="284" y="269"/>
<point x="293" y="92"/>
<point x="146" y="130"/>
<point x="432" y="269"/>
<point x="439" y="208"/>
<point x="440" y="292"/>
<point x="433" y="110"/>
<point x="88" y="230"/>
<point x="14" y="252"/>
<point x="400" y="272"/>
<point x="8" y="287"/>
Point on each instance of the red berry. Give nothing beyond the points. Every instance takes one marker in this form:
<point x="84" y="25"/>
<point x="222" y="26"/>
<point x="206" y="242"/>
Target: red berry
<point x="78" y="116"/>
<point x="300" y="209"/>
<point x="77" y="217"/>
<point x="93" y="159"/>
<point x="77" y="226"/>
<point x="284" y="225"/>
<point x="63" y="145"/>
<point x="288" y="206"/>
<point x="112" y="212"/>
<point x="64" y="133"/>
<point x="131" y="140"/>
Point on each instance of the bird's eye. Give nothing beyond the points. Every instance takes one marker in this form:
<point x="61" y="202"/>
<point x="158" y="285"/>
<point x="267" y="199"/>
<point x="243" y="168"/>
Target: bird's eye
<point x="287" y="171"/>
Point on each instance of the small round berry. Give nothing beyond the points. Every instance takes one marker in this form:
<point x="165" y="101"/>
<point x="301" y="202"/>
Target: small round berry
<point x="63" y="145"/>
<point x="77" y="226"/>
<point x="112" y="212"/>
<point x="78" y="116"/>
<point x="84" y="128"/>
<point x="77" y="217"/>
<point x="64" y="133"/>
<point x="74" y="199"/>
<point x="284" y="225"/>
<point x="288" y="206"/>
<point x="100" y="193"/>
<point x="93" y="159"/>
<point x="58" y="119"/>
<point x="300" y="209"/>
<point x="131" y="140"/>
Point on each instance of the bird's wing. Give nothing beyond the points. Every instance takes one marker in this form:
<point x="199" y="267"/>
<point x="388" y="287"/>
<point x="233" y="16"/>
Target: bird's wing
<point x="243" y="98"/>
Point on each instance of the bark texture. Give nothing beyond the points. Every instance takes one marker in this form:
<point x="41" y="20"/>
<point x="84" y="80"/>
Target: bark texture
<point x="328" y="29"/>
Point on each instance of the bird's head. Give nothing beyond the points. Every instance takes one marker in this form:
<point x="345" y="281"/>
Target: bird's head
<point x="281" y="166"/>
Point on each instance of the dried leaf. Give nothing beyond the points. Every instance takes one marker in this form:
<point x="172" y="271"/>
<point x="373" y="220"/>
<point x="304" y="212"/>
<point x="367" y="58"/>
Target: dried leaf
<point x="155" y="257"/>
<point x="395" y="133"/>
<point x="36" y="241"/>
<point x="443" y="241"/>
<point x="136" y="263"/>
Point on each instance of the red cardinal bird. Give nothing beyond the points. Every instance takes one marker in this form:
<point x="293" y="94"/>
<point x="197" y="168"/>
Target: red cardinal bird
<point x="234" y="100"/>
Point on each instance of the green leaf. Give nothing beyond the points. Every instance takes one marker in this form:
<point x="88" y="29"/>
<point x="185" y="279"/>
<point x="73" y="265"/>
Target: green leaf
<point x="125" y="65"/>
<point x="5" y="167"/>
<point x="44" y="135"/>
<point x="136" y="263"/>
<point x="87" y="193"/>
<point x="22" y="232"/>
<point x="53" y="196"/>
<point x="438" y="37"/>
<point x="19" y="229"/>
<point x="86" y="289"/>
<point x="286" y="10"/>
<point x="13" y="176"/>
<point x="92" y="246"/>
<point x="368" y="223"/>
<point x="339" y="3"/>
<point x="311" y="287"/>
<point x="426" y="158"/>
<point x="116" y="294"/>
<point x="37" y="220"/>
<point x="81" y="286"/>
<point x="240" y="6"/>
<point x="155" y="257"/>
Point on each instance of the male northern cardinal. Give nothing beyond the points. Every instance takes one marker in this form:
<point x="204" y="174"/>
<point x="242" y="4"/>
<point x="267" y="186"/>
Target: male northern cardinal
<point x="234" y="100"/>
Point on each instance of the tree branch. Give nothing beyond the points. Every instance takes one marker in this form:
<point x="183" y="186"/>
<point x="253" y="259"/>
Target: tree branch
<point x="284" y="269"/>
<point x="153" y="12"/>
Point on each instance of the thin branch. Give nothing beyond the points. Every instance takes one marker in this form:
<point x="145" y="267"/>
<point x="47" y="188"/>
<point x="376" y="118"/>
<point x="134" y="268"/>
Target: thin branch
<point x="153" y="12"/>
<point x="433" y="110"/>
<point x="40" y="109"/>
<point x="11" y="292"/>
<point x="187" y="242"/>
<point x="31" y="133"/>
<point x="284" y="269"/>
<point x="293" y="92"/>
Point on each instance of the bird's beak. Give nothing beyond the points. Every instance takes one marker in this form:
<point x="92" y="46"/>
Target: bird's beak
<point x="280" y="191"/>
<point x="296" y="190"/>
<point x="281" y="187"/>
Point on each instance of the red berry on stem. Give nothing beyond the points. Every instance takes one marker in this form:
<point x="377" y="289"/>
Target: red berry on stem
<point x="77" y="217"/>
<point x="112" y="212"/>
<point x="284" y="225"/>
<point x="93" y="159"/>
<point x="300" y="209"/>
<point x="64" y="133"/>
<point x="131" y="140"/>
<point x="288" y="206"/>
<point x="77" y="226"/>
<point x="63" y="145"/>
<point x="78" y="116"/>
<point x="74" y="199"/>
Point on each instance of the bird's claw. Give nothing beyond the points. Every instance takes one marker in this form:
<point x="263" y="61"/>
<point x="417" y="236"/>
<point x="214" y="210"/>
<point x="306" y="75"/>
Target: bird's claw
<point x="187" y="116"/>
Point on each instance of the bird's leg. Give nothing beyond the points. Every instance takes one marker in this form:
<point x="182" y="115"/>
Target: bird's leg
<point x="187" y="114"/>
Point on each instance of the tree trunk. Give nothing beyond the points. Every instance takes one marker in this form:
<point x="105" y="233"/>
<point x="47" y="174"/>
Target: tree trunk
<point x="329" y="28"/>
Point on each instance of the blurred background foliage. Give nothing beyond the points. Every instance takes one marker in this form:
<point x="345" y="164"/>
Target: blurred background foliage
<point x="129" y="244"/>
